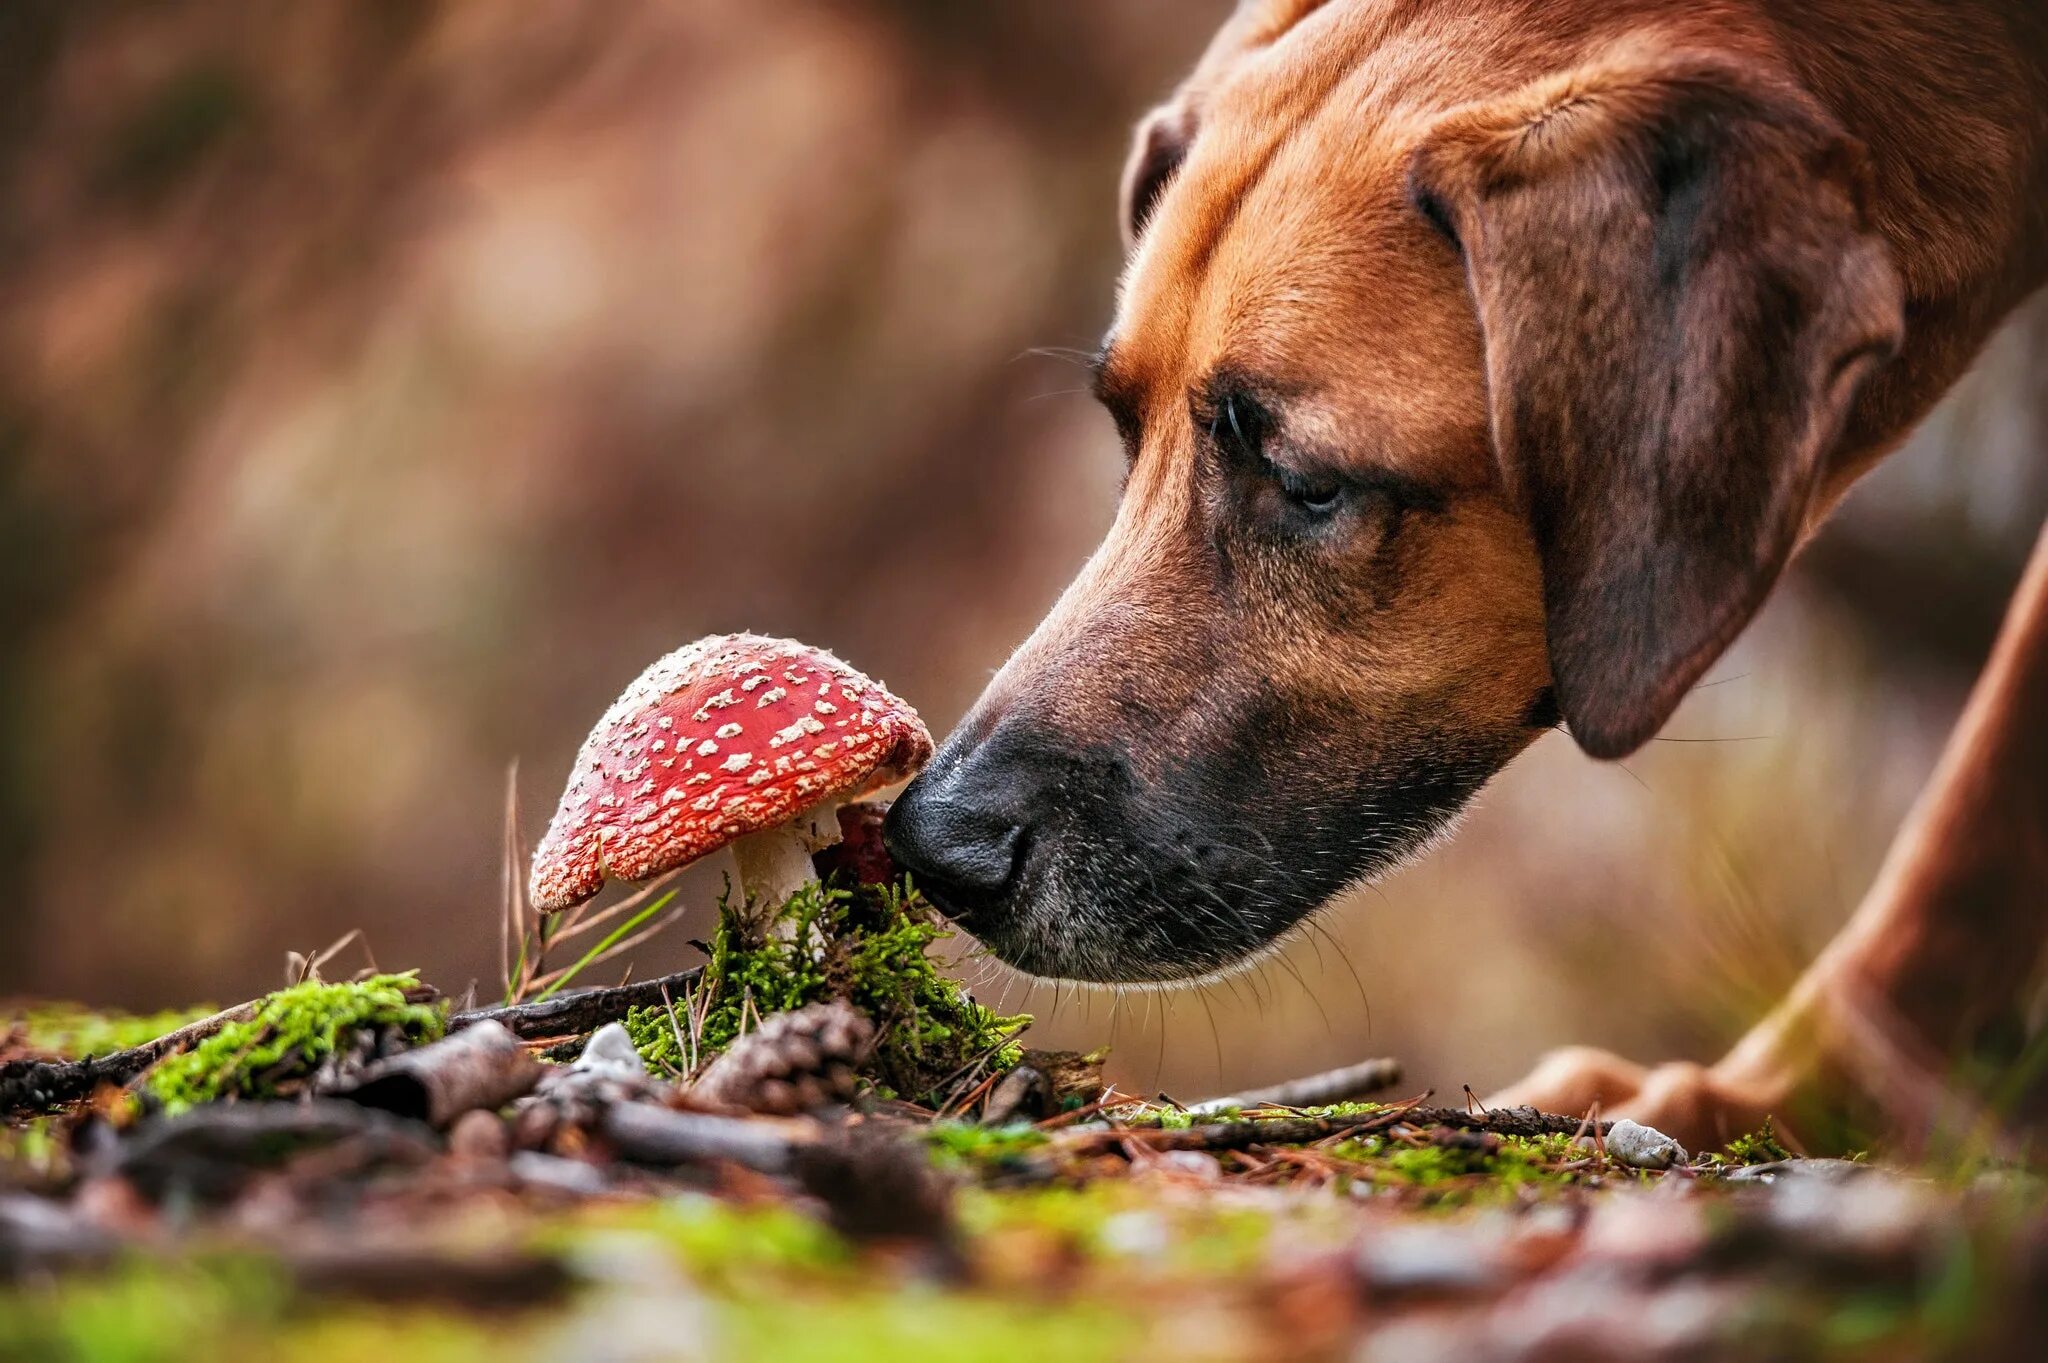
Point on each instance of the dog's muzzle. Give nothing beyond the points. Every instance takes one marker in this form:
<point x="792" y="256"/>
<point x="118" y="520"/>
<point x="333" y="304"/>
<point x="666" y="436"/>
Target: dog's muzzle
<point x="963" y="831"/>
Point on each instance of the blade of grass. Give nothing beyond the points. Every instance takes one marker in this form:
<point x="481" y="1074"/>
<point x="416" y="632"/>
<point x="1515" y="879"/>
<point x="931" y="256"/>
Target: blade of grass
<point x="510" y="909"/>
<point x="585" y="921"/>
<point x="591" y="956"/>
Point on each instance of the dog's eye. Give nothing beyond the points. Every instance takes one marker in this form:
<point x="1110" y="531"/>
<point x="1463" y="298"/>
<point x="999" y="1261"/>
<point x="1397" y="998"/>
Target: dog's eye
<point x="1318" y="496"/>
<point x="1241" y="428"/>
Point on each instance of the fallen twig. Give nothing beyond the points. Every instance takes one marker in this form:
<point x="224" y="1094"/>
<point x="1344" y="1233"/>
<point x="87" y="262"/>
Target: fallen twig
<point x="214" y="1149"/>
<point x="649" y="1134"/>
<point x="1316" y="1090"/>
<point x="583" y="1011"/>
<point x="28" y="1086"/>
<point x="482" y="1066"/>
<point x="396" y="1273"/>
<point x="1239" y="1134"/>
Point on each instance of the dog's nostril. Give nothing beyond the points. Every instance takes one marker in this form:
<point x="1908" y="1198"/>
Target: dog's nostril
<point x="966" y="855"/>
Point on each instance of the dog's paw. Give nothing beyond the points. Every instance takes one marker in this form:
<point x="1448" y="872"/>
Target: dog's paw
<point x="1688" y="1102"/>
<point x="1575" y="1079"/>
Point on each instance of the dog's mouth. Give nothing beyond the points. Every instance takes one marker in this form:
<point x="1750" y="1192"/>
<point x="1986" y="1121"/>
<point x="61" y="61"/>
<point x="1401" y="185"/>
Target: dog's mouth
<point x="1067" y="917"/>
<point x="1114" y="880"/>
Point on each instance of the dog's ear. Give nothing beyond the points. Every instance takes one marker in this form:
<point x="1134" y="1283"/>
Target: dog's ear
<point x="1162" y="144"/>
<point x="1680" y="298"/>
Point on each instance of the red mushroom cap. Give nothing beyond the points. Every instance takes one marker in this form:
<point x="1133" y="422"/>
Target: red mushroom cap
<point x="722" y="738"/>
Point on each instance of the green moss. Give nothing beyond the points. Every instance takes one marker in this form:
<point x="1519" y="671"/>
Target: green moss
<point x="963" y="1145"/>
<point x="1758" y="1147"/>
<point x="139" y="1313"/>
<point x="890" y="1326"/>
<point x="1132" y="1233"/>
<point x="1458" y="1173"/>
<point x="868" y="945"/>
<point x="1343" y="1111"/>
<point x="224" y="1306"/>
<point x="293" y="1031"/>
<point x="35" y="1149"/>
<point x="72" y="1031"/>
<point x="714" y="1239"/>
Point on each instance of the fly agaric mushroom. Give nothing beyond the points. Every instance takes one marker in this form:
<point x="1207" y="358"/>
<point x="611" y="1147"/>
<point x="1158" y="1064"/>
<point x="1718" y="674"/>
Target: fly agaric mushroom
<point x="736" y="740"/>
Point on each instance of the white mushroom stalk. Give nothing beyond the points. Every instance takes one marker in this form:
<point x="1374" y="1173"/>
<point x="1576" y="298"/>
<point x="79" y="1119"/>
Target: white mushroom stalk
<point x="775" y="864"/>
<point x="734" y="741"/>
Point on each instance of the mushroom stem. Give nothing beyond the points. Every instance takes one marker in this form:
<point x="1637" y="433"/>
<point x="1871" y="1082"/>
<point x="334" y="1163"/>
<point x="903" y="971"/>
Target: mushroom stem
<point x="776" y="862"/>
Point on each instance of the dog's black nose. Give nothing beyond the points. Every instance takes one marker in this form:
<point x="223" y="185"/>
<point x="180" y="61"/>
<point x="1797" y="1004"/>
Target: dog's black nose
<point x="961" y="848"/>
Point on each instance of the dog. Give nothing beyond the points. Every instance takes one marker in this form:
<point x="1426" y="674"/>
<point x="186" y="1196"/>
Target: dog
<point x="1479" y="365"/>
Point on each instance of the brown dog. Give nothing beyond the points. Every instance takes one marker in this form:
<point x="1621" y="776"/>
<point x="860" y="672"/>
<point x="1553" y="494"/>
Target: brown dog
<point x="1480" y="365"/>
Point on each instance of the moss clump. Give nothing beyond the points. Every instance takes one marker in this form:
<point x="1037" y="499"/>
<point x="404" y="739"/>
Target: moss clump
<point x="965" y="1145"/>
<point x="1483" y="1168"/>
<point x="72" y="1031"/>
<point x="721" y="1243"/>
<point x="1760" y="1146"/>
<point x="883" y="1327"/>
<point x="867" y="945"/>
<point x="293" y="1033"/>
<point x="228" y="1306"/>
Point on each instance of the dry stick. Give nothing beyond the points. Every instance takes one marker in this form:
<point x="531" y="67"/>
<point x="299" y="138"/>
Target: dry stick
<point x="583" y="1011"/>
<point x="38" y="1085"/>
<point x="1237" y="1135"/>
<point x="482" y="1066"/>
<point x="512" y="903"/>
<point x="31" y="1086"/>
<point x="1315" y="1090"/>
<point x="646" y="1133"/>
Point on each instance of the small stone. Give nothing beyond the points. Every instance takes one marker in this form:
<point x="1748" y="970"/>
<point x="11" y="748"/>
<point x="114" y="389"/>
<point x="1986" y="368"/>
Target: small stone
<point x="610" y="1052"/>
<point x="1199" y="1165"/>
<point x="1023" y="1095"/>
<point x="533" y="1126"/>
<point x="480" y="1136"/>
<point x="557" y="1174"/>
<point x="1642" y="1147"/>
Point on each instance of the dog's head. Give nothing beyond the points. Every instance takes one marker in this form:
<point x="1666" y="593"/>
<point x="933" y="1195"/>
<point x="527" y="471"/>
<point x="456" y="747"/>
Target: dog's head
<point x="1456" y="400"/>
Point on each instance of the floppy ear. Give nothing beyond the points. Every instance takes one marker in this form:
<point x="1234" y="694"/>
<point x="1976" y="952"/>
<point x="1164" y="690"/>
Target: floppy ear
<point x="1162" y="144"/>
<point x="1680" y="299"/>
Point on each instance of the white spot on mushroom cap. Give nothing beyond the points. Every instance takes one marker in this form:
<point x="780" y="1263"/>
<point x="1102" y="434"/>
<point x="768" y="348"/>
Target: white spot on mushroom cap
<point x="803" y="725"/>
<point x="739" y="761"/>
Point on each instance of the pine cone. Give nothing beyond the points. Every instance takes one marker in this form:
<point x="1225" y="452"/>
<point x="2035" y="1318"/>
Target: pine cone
<point x="793" y="1062"/>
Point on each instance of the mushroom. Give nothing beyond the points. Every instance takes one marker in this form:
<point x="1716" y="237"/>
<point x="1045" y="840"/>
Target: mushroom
<point x="736" y="740"/>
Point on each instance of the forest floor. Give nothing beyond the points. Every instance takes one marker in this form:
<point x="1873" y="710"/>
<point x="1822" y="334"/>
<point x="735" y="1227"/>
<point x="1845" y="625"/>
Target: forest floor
<point x="352" y="1171"/>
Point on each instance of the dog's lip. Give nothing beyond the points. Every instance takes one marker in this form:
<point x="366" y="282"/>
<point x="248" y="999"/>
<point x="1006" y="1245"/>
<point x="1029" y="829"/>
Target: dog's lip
<point x="951" y="906"/>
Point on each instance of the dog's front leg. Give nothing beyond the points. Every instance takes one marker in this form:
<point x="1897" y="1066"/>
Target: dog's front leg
<point x="1941" y="953"/>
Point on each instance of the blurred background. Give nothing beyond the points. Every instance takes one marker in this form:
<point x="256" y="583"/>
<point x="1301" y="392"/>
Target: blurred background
<point x="383" y="383"/>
